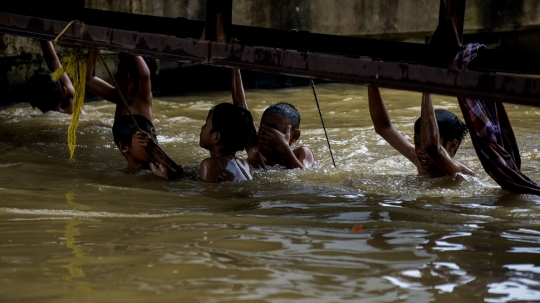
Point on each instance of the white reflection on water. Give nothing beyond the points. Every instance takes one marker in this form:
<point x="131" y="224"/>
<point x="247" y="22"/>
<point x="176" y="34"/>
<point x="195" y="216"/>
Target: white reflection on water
<point x="442" y="276"/>
<point x="524" y="267"/>
<point x="514" y="290"/>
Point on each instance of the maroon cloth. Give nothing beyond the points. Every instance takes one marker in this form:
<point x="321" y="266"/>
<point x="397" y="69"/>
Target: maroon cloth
<point x="492" y="135"/>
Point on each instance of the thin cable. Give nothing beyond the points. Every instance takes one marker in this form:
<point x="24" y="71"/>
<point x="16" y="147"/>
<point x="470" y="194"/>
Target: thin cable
<point x="322" y="120"/>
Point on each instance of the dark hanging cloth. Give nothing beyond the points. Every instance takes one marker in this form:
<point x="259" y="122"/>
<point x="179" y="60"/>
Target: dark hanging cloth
<point x="492" y="134"/>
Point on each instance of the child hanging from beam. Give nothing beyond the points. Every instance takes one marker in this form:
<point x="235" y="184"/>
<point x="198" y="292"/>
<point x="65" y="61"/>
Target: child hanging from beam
<point x="279" y="129"/>
<point x="134" y="77"/>
<point x="48" y="95"/>
<point x="437" y="137"/>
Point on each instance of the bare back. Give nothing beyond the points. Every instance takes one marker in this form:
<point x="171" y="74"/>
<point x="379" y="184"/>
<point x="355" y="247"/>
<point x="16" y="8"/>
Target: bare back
<point x="224" y="169"/>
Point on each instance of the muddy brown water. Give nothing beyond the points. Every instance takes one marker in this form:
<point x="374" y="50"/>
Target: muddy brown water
<point x="369" y="230"/>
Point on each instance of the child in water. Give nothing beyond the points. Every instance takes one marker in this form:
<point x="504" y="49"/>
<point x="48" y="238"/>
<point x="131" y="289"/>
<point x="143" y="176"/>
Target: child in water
<point x="134" y="77"/>
<point x="279" y="129"/>
<point x="437" y="137"/>
<point x="126" y="139"/>
<point x="226" y="131"/>
<point x="45" y="94"/>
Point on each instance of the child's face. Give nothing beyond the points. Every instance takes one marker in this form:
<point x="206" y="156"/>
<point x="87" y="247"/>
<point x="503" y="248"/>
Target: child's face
<point x="137" y="152"/>
<point x="205" y="137"/>
<point x="425" y="161"/>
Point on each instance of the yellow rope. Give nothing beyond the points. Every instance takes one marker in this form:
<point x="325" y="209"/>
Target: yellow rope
<point x="64" y="31"/>
<point x="75" y="66"/>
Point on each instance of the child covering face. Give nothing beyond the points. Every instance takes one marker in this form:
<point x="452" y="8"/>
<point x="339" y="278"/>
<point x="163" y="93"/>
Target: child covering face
<point x="279" y="129"/>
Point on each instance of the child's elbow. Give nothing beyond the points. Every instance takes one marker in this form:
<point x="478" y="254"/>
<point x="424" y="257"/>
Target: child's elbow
<point x="383" y="130"/>
<point x="145" y="74"/>
<point x="379" y="130"/>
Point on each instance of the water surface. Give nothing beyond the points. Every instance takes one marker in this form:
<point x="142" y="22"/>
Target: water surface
<point x="370" y="230"/>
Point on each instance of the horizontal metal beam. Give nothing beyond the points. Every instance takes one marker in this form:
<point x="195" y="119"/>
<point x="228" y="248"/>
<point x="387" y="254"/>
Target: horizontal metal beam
<point x="511" y="61"/>
<point x="506" y="88"/>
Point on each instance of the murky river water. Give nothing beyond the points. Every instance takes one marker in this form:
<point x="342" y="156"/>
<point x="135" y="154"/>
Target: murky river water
<point x="89" y="232"/>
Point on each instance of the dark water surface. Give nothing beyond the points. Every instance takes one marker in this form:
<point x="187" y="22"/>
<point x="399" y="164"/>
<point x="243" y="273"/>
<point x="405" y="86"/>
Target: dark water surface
<point x="369" y="231"/>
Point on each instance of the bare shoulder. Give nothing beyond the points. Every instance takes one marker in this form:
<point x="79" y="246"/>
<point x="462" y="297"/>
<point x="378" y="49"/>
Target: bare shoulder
<point x="304" y="155"/>
<point x="208" y="170"/>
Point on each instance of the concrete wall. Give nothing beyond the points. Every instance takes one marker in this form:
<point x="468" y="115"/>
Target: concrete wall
<point x="191" y="9"/>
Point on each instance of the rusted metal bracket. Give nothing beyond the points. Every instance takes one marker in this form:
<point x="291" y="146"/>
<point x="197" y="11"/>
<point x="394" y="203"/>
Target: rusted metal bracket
<point x="218" y="19"/>
<point x="510" y="89"/>
<point x="448" y="36"/>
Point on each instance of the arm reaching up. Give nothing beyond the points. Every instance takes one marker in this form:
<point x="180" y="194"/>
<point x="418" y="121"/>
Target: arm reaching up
<point x="97" y="85"/>
<point x="239" y="99"/>
<point x="383" y="126"/>
<point x="442" y="155"/>
<point x="53" y="63"/>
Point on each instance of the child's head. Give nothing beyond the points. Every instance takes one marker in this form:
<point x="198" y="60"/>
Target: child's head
<point x="279" y="116"/>
<point x="450" y="128"/>
<point x="287" y="112"/>
<point x="124" y="137"/>
<point x="43" y="92"/>
<point x="229" y="125"/>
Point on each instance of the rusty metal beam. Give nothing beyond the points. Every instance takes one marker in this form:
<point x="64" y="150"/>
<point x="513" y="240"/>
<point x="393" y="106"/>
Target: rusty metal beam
<point x="510" y="89"/>
<point x="489" y="59"/>
<point x="218" y="19"/>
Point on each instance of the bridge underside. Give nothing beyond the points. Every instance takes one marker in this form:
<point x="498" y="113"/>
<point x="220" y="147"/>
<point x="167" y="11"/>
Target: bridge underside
<point x="397" y="65"/>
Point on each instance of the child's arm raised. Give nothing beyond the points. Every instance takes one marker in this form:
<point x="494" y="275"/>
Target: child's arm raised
<point x="383" y="126"/>
<point x="53" y="63"/>
<point x="431" y="143"/>
<point x="163" y="160"/>
<point x="145" y="83"/>
<point x="239" y="99"/>
<point x="97" y="85"/>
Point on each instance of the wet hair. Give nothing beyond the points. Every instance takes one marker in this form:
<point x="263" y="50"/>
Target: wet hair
<point x="235" y="125"/>
<point x="286" y="110"/>
<point x="43" y="92"/>
<point x="123" y="128"/>
<point x="127" y="62"/>
<point x="450" y="127"/>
